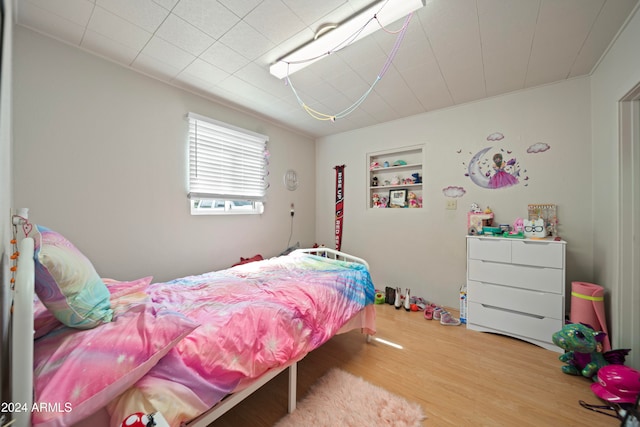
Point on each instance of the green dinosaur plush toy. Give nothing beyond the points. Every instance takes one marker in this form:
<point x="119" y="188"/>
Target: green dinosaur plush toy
<point x="583" y="346"/>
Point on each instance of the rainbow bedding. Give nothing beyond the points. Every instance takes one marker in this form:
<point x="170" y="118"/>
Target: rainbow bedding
<point x="180" y="347"/>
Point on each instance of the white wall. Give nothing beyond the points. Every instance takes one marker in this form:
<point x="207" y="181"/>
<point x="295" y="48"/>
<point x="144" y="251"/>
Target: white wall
<point x="425" y="249"/>
<point x="100" y="155"/>
<point x="5" y="190"/>
<point x="617" y="74"/>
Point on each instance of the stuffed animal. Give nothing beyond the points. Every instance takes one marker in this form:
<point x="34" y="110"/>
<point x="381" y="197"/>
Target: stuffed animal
<point x="413" y="200"/>
<point x="395" y="180"/>
<point x="583" y="347"/>
<point x="475" y="208"/>
<point x="417" y="179"/>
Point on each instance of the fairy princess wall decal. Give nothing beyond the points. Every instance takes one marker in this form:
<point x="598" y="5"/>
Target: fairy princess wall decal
<point x="501" y="178"/>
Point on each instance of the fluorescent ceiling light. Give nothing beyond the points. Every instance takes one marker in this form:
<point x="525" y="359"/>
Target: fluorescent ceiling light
<point x="355" y="28"/>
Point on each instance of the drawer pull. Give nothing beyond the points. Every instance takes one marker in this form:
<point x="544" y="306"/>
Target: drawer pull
<point x="521" y="313"/>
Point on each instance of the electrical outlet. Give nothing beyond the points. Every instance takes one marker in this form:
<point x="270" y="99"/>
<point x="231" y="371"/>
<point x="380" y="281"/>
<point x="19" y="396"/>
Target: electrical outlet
<point x="452" y="204"/>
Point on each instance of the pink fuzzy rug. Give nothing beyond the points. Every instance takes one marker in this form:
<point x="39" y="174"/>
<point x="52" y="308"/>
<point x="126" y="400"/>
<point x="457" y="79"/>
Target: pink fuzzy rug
<point x="342" y="399"/>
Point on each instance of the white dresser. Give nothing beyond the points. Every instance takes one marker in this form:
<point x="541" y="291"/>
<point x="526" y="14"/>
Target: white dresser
<point x="516" y="287"/>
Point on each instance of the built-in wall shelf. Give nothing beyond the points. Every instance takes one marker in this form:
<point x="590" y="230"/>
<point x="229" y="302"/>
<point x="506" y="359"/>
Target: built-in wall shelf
<point x="395" y="178"/>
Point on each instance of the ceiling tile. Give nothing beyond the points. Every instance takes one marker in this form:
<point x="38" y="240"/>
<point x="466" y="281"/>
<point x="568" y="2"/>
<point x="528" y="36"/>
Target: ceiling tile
<point x="203" y="72"/>
<point x="507" y="31"/>
<point x="240" y="7"/>
<point x="207" y="15"/>
<point x="601" y="34"/>
<point x="35" y="17"/>
<point x="255" y="75"/>
<point x="427" y="84"/>
<point x="281" y="23"/>
<point x="179" y="32"/>
<point x="156" y="68"/>
<point x="454" y="36"/>
<point x="117" y="29"/>
<point x="311" y="11"/>
<point x="224" y="57"/>
<point x="563" y="27"/>
<point x="76" y="11"/>
<point x="246" y="41"/>
<point x="167" y="4"/>
<point x="167" y="53"/>
<point x="143" y="13"/>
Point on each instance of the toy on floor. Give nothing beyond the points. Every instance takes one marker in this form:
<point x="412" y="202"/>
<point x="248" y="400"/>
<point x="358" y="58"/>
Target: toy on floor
<point x="584" y="354"/>
<point x="617" y="384"/>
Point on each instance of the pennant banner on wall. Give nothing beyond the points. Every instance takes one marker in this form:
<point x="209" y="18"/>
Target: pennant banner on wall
<point x="339" y="204"/>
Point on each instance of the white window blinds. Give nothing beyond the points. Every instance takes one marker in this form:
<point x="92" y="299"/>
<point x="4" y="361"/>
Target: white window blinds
<point x="225" y="162"/>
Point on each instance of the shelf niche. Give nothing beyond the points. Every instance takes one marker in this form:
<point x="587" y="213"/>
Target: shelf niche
<point x="392" y="171"/>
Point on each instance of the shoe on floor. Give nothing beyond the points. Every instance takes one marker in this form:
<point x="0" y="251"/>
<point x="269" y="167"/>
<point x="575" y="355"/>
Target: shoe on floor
<point x="437" y="311"/>
<point x="399" y="299"/>
<point x="448" y="320"/>
<point x="428" y="311"/>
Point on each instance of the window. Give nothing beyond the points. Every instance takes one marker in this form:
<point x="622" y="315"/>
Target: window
<point x="227" y="168"/>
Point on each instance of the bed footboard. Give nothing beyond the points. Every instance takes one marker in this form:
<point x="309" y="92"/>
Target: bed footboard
<point x="333" y="254"/>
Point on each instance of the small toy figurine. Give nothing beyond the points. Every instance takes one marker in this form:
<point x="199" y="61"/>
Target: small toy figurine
<point x="386" y="164"/>
<point x="475" y="208"/>
<point x="583" y="347"/>
<point x="518" y="226"/>
<point x="413" y="200"/>
<point x="417" y="179"/>
<point x="374" y="181"/>
<point x="488" y="210"/>
<point x="395" y="180"/>
<point x="376" y="200"/>
<point x="383" y="202"/>
<point x="374" y="165"/>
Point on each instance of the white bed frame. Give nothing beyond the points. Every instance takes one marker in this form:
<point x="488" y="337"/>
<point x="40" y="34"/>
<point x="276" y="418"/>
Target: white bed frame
<point x="22" y="344"/>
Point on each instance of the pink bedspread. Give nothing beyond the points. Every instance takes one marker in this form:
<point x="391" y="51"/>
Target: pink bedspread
<point x="252" y="318"/>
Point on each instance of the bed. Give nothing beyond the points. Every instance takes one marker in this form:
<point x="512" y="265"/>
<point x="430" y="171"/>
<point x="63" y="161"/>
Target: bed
<point x="191" y="348"/>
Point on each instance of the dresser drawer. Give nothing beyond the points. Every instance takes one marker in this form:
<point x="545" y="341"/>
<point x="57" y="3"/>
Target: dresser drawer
<point x="513" y="323"/>
<point x="542" y="279"/>
<point x="537" y="253"/>
<point x="519" y="300"/>
<point x="489" y="249"/>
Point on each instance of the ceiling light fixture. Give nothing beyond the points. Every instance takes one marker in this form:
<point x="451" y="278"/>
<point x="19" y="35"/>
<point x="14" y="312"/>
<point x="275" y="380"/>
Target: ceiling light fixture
<point x="323" y="29"/>
<point x="348" y="32"/>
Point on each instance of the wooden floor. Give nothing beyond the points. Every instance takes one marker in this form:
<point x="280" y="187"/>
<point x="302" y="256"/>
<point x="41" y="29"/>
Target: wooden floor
<point x="460" y="377"/>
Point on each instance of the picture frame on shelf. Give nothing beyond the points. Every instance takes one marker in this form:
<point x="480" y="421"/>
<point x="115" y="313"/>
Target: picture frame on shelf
<point x="398" y="198"/>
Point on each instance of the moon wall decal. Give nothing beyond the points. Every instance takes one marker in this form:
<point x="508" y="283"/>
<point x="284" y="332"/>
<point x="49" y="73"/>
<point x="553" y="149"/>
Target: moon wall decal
<point x="476" y="175"/>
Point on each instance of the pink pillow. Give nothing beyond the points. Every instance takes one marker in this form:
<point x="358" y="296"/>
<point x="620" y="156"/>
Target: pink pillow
<point x="67" y="283"/>
<point x="81" y="371"/>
